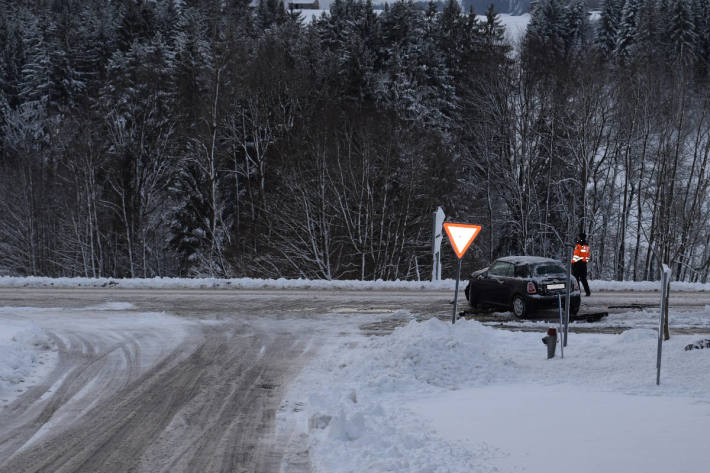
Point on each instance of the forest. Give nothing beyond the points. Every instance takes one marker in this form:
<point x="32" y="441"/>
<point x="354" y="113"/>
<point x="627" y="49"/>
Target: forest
<point x="225" y="138"/>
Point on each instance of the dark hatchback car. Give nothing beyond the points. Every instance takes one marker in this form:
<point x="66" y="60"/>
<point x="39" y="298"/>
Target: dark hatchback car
<point x="522" y="284"/>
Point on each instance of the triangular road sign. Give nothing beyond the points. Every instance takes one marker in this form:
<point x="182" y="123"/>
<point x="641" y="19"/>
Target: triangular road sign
<point x="461" y="236"/>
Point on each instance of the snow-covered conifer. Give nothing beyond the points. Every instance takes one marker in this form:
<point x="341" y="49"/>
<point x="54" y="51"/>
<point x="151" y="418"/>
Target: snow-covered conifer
<point x="627" y="27"/>
<point x="681" y="31"/>
<point x="608" y="27"/>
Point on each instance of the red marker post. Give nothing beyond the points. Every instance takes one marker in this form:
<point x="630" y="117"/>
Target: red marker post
<point x="461" y="235"/>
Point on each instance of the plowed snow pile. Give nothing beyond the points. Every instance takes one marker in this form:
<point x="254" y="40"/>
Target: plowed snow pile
<point x="433" y="397"/>
<point x="27" y="354"/>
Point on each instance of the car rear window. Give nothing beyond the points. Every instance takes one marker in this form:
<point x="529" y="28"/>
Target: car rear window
<point x="549" y="268"/>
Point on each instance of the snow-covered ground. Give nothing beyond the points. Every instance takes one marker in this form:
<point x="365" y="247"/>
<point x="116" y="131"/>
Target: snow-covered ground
<point x="29" y="338"/>
<point x="685" y="318"/>
<point x="515" y="25"/>
<point x="27" y="354"/>
<point x="436" y="397"/>
<point x="281" y="283"/>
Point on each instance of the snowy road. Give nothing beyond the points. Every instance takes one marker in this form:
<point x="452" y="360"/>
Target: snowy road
<point x="136" y="389"/>
<point x="192" y="380"/>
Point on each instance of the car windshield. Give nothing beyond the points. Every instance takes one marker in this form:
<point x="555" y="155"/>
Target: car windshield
<point x="549" y="268"/>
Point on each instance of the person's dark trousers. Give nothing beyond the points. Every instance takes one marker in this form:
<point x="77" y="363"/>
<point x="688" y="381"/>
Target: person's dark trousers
<point x="579" y="270"/>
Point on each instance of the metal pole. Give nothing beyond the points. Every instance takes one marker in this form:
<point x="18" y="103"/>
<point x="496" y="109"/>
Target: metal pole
<point x="664" y="279"/>
<point x="456" y="292"/>
<point x="559" y="308"/>
<point x="567" y="296"/>
<point x="435" y="256"/>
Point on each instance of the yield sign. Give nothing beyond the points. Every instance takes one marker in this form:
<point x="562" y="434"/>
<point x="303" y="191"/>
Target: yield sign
<point x="461" y="236"/>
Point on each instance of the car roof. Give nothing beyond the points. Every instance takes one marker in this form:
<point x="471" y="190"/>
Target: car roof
<point x="527" y="260"/>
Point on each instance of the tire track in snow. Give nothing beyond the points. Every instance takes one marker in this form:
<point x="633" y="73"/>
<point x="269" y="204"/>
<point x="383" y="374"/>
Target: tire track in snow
<point x="202" y="397"/>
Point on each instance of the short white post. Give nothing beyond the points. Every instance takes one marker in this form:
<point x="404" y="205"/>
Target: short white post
<point x="437" y="236"/>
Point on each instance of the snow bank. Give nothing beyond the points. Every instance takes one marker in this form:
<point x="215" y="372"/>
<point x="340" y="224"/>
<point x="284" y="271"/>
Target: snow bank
<point x="26" y="354"/>
<point x="639" y="286"/>
<point x="282" y="283"/>
<point x="365" y="403"/>
<point x="416" y="355"/>
<point x="217" y="283"/>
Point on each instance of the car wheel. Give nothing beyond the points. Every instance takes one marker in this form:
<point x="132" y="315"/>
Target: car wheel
<point x="520" y="307"/>
<point x="574" y="308"/>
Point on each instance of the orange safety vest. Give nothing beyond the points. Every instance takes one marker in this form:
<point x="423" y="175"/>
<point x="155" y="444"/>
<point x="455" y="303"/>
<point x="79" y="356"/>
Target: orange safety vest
<point x="581" y="253"/>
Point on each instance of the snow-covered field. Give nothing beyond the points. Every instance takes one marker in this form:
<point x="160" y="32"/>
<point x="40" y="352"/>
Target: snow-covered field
<point x="281" y="283"/>
<point x="436" y="397"/>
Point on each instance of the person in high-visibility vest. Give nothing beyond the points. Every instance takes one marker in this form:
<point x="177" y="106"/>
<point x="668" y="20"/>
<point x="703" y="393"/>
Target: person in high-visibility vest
<point x="579" y="262"/>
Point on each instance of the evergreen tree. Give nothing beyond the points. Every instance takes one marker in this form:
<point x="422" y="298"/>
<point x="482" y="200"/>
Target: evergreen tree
<point x="35" y="84"/>
<point x="187" y="221"/>
<point x="492" y="29"/>
<point x="647" y="42"/>
<point x="138" y="23"/>
<point x="701" y="26"/>
<point x="350" y="34"/>
<point x="681" y="31"/>
<point x="607" y="30"/>
<point x="270" y="13"/>
<point x="627" y="27"/>
<point x="193" y="66"/>
<point x="545" y="43"/>
<point x="576" y="26"/>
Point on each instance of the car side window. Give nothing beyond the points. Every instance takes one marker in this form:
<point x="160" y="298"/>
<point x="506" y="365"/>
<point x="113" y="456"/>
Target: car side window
<point x="495" y="269"/>
<point x="507" y="270"/>
<point x="501" y="268"/>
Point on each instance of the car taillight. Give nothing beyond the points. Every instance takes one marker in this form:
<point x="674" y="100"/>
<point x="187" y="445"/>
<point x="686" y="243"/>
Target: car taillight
<point x="576" y="286"/>
<point x="531" y="287"/>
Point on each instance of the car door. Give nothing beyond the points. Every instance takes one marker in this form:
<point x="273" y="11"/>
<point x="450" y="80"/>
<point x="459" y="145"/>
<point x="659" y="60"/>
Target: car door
<point x="507" y="285"/>
<point x="483" y="286"/>
<point x="496" y="289"/>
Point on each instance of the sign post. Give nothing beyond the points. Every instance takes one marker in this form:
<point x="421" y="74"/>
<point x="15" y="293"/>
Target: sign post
<point x="461" y="236"/>
<point x="437" y="236"/>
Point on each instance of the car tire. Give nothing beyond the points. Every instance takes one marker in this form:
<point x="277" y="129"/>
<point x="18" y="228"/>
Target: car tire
<point x="519" y="306"/>
<point x="574" y="308"/>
